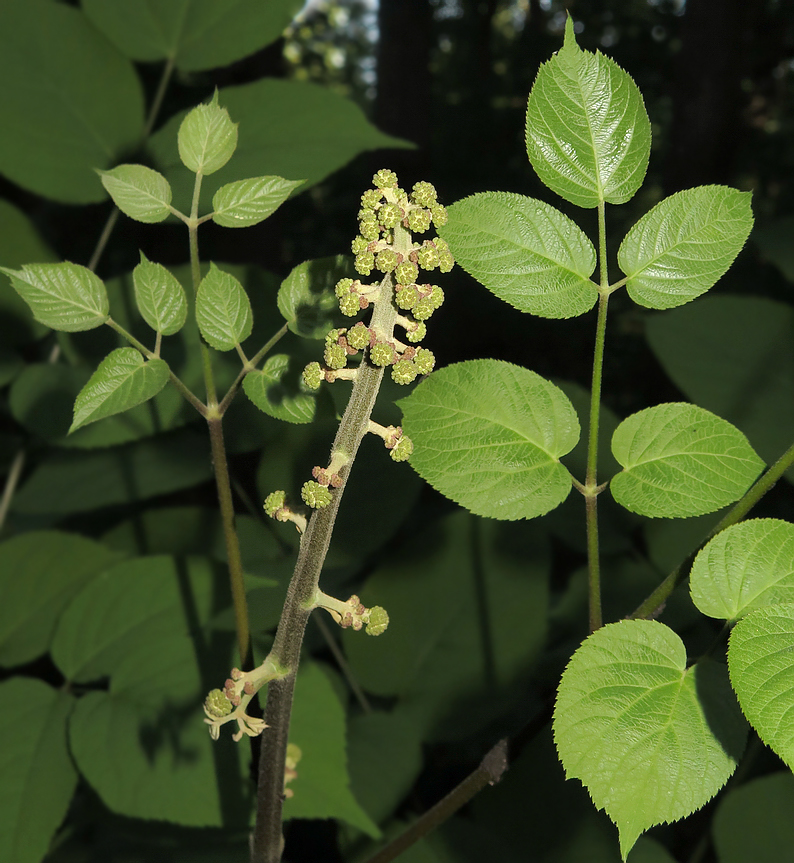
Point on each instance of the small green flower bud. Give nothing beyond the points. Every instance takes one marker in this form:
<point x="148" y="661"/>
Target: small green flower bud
<point x="439" y="215"/>
<point x="424" y="361"/>
<point x="441" y="245"/>
<point x="416" y="333"/>
<point x="371" y="198"/>
<point x="403" y="372"/>
<point x="436" y="296"/>
<point x="390" y="215"/>
<point x="407" y="273"/>
<point x="313" y="376"/>
<point x="217" y="704"/>
<point x="423" y="309"/>
<point x="427" y="257"/>
<point x="402" y="450"/>
<point x="386" y="260"/>
<point x="382" y="354"/>
<point x="407" y="297"/>
<point x="445" y="261"/>
<point x="385" y="179"/>
<point x="378" y="621"/>
<point x="332" y="336"/>
<point x="365" y="261"/>
<point x="275" y="501"/>
<point x="359" y="245"/>
<point x="350" y="305"/>
<point x="335" y="356"/>
<point x="343" y="287"/>
<point x="419" y="221"/>
<point x="358" y="336"/>
<point x="315" y="495"/>
<point x="369" y="230"/>
<point x="424" y="194"/>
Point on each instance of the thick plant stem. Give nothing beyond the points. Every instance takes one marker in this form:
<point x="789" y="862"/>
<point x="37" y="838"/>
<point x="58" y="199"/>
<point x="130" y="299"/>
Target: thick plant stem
<point x="286" y="649"/>
<point x="651" y="606"/>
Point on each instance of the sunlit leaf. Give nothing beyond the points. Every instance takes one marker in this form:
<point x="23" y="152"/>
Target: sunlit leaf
<point x="248" y="202"/>
<point x="223" y="310"/>
<point x="139" y="192"/>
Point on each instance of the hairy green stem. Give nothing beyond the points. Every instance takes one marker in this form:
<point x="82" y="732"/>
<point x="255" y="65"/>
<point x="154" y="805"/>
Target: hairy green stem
<point x="652" y="605"/>
<point x="286" y="649"/>
<point x="489" y="772"/>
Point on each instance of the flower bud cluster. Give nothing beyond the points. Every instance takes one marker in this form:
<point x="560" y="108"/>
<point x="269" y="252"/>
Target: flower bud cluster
<point x="354" y="614"/>
<point x="276" y="507"/>
<point x="400" y="446"/>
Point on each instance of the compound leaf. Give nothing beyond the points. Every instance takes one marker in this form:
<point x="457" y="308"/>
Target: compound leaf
<point x="525" y="252"/>
<point x="680" y="460"/>
<point x="587" y="133"/>
<point x="223" y="310"/>
<point x="489" y="435"/>
<point x="139" y="192"/>
<point x="651" y="739"/>
<point x="684" y="245"/>
<point x="248" y="202"/>
<point x="160" y="297"/>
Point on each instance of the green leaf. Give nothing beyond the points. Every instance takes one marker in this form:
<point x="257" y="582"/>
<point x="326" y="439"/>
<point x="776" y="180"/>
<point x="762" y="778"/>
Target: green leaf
<point x="733" y="356"/>
<point x="207" y="138"/>
<point x="160" y="297"/>
<point x="279" y="121"/>
<point x="197" y="34"/>
<point x="279" y="391"/>
<point x="248" y="202"/>
<point x="587" y="133"/>
<point x="525" y="252"/>
<point x="63" y="119"/>
<point x="684" y="245"/>
<point x="317" y="727"/>
<point x="63" y="296"/>
<point x="680" y="460"/>
<point x="127" y="605"/>
<point x="306" y="297"/>
<point x="40" y="572"/>
<point x="759" y="659"/>
<point x="39" y="778"/>
<point x="651" y="739"/>
<point x="139" y="192"/>
<point x="69" y="482"/>
<point x="489" y="435"/>
<point x="223" y="310"/>
<point x="753" y="821"/>
<point x="122" y="381"/>
<point x="20" y="243"/>
<point x="143" y="746"/>
<point x="483" y="588"/>
<point x="746" y="566"/>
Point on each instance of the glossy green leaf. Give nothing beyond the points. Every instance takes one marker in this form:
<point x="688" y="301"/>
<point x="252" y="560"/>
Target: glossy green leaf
<point x="20" y="243"/>
<point x="753" y="821"/>
<point x="525" y="252"/>
<point x="680" y="460"/>
<point x="278" y="390"/>
<point x="223" y="310"/>
<point x="127" y="605"/>
<point x="248" y="202"/>
<point x="139" y="192"/>
<point x="143" y="747"/>
<point x="160" y="297"/>
<point x="278" y="136"/>
<point x="39" y="778"/>
<point x="489" y="435"/>
<point x="197" y="34"/>
<point x="123" y="380"/>
<point x="69" y="482"/>
<point x="684" y="245"/>
<point x="207" y="138"/>
<point x="63" y="296"/>
<point x="746" y="566"/>
<point x="651" y="739"/>
<point x="762" y="673"/>
<point x="484" y="597"/>
<point x="306" y="297"/>
<point x="317" y="727"/>
<point x="587" y="133"/>
<point x="63" y="119"/>
<point x="733" y="355"/>
<point x="40" y="572"/>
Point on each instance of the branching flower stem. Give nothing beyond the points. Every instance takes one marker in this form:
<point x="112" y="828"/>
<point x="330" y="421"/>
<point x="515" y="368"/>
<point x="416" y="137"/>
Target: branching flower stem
<point x="653" y="604"/>
<point x="305" y="580"/>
